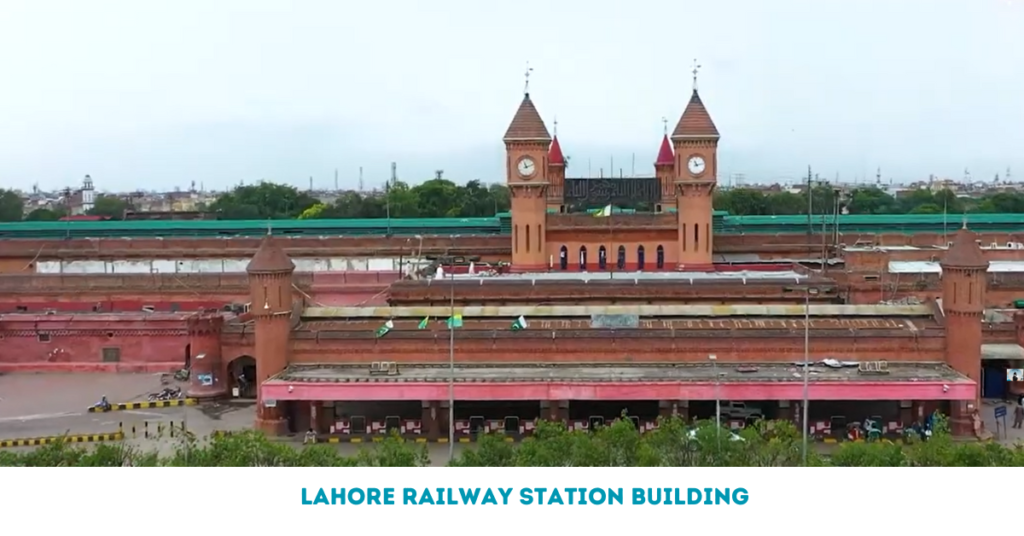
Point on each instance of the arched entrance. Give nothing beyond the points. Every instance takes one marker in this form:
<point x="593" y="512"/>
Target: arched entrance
<point x="242" y="374"/>
<point x="620" y="262"/>
<point x="602" y="258"/>
<point x="640" y="258"/>
<point x="583" y="258"/>
<point x="188" y="356"/>
<point x="563" y="258"/>
<point x="661" y="257"/>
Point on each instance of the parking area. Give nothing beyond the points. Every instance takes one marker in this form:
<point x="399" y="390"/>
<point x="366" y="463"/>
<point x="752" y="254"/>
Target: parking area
<point x="44" y="405"/>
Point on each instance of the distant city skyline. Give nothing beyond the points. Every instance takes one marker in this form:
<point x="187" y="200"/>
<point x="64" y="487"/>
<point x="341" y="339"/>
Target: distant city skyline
<point x="144" y="97"/>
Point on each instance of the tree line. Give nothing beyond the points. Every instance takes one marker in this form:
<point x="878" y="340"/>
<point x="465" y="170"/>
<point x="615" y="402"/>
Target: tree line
<point x="825" y="199"/>
<point x="442" y="198"/>
<point x="673" y="444"/>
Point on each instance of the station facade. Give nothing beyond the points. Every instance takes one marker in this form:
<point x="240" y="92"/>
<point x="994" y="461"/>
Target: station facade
<point x="603" y="339"/>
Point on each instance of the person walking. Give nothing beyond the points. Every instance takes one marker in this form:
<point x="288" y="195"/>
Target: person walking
<point x="1018" y="416"/>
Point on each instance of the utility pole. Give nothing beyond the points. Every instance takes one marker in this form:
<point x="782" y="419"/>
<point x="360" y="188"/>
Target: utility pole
<point x="810" y="205"/>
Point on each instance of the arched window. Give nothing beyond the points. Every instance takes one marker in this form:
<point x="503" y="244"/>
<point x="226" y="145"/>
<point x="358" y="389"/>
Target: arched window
<point x="563" y="258"/>
<point x="640" y="258"/>
<point x="621" y="261"/>
<point x="602" y="258"/>
<point x="661" y="257"/>
<point x="583" y="258"/>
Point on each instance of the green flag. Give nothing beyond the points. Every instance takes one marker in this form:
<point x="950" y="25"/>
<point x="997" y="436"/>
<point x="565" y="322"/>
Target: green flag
<point x="385" y="329"/>
<point x="603" y="212"/>
<point x="455" y="321"/>
<point x="424" y="322"/>
<point x="519" y="324"/>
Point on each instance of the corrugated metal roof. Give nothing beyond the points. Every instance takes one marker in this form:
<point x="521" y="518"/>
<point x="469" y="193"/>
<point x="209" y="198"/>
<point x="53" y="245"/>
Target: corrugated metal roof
<point x="737" y="276"/>
<point x="925" y="267"/>
<point x="639" y="310"/>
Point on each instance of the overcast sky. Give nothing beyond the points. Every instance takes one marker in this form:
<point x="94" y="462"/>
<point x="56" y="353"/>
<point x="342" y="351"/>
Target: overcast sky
<point x="223" y="91"/>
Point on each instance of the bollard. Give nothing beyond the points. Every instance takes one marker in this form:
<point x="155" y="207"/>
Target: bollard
<point x="159" y="429"/>
<point x="133" y="432"/>
<point x="171" y="427"/>
<point x="145" y="427"/>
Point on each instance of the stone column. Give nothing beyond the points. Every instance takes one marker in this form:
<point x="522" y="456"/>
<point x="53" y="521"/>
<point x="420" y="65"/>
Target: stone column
<point x="431" y="420"/>
<point x="206" y="379"/>
<point x="674" y="408"/>
<point x="787" y="411"/>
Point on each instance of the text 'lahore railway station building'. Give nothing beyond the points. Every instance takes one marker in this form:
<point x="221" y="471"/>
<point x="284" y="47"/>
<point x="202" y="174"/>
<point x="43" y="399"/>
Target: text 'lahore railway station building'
<point x="589" y="313"/>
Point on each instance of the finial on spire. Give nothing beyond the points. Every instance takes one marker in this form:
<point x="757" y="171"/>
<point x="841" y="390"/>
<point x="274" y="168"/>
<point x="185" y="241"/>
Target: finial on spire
<point x="664" y="124"/>
<point x="696" y="69"/>
<point x="526" y="87"/>
<point x="556" y="126"/>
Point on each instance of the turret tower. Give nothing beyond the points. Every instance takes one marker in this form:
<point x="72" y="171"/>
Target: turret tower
<point x="964" y="282"/>
<point x="270" y="289"/>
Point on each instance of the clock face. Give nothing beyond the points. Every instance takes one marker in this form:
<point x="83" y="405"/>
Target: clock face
<point x="526" y="167"/>
<point x="695" y="165"/>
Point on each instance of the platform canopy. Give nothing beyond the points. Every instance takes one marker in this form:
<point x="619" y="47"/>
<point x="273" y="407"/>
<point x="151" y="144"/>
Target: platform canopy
<point x="732" y="381"/>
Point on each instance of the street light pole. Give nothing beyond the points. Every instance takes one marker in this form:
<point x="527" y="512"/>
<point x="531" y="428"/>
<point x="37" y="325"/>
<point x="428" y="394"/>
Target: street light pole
<point x="718" y="399"/>
<point x="451" y="370"/>
<point x="807" y="358"/>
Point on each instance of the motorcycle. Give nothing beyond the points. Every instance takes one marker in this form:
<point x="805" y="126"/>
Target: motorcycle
<point x="169" y="393"/>
<point x="868" y="431"/>
<point x="102" y="405"/>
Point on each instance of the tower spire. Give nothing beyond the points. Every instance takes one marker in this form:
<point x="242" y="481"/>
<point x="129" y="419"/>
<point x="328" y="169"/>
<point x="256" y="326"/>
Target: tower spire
<point x="696" y="69"/>
<point x="526" y="86"/>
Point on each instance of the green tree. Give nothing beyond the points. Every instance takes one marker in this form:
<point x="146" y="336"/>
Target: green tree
<point x="46" y="214"/>
<point x="265" y="200"/>
<point x="109" y="206"/>
<point x="11" y="206"/>
<point x="871" y="200"/>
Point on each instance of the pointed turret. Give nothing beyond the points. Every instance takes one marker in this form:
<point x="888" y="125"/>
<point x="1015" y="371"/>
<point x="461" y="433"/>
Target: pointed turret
<point x="695" y="121"/>
<point x="555" y="157"/>
<point x="527" y="124"/>
<point x="270" y="259"/>
<point x="965" y="253"/>
<point x="665" y="156"/>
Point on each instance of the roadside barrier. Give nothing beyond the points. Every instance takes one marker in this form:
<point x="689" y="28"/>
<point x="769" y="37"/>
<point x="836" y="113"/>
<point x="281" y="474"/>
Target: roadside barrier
<point x="71" y="438"/>
<point x="126" y="406"/>
<point x="158" y="429"/>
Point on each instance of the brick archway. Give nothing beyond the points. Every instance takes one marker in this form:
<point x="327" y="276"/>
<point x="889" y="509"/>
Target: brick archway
<point x="242" y="374"/>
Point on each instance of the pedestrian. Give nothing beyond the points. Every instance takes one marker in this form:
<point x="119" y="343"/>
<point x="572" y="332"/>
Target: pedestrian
<point x="310" y="437"/>
<point x="1018" y="416"/>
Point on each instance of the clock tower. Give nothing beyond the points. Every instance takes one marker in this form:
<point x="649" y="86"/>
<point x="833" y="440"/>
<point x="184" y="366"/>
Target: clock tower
<point x="526" y="163"/>
<point x="695" y="140"/>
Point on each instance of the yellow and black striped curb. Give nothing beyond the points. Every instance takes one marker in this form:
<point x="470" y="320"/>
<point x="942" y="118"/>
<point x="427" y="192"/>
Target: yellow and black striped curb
<point x="146" y="405"/>
<point x="77" y="438"/>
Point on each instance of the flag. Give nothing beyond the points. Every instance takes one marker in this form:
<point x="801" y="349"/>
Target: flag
<point x="455" y="321"/>
<point x="424" y="322"/>
<point x="385" y="329"/>
<point x="603" y="212"/>
<point x="519" y="324"/>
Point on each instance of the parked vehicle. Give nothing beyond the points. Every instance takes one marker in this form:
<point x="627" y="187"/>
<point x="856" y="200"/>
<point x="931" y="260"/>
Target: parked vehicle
<point x="740" y="410"/>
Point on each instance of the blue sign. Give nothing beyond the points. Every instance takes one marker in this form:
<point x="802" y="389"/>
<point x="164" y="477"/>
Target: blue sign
<point x="1001" y="411"/>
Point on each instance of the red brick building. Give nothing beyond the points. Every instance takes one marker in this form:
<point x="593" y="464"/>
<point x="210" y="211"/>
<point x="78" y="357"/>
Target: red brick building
<point x="629" y="311"/>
